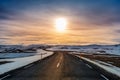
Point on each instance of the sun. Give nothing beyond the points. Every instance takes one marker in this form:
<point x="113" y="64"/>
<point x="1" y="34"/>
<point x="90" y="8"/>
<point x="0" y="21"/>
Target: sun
<point x="60" y="24"/>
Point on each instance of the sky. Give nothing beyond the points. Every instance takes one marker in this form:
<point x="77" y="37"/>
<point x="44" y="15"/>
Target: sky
<point x="33" y="21"/>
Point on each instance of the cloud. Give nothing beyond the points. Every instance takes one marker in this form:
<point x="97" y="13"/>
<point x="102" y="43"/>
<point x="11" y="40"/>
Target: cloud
<point x="33" y="21"/>
<point x="103" y="12"/>
<point x="116" y="40"/>
<point x="118" y="31"/>
<point x="4" y="38"/>
<point x="7" y="14"/>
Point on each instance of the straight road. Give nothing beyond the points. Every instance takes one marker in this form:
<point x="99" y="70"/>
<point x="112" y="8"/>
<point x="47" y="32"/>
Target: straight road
<point x="60" y="66"/>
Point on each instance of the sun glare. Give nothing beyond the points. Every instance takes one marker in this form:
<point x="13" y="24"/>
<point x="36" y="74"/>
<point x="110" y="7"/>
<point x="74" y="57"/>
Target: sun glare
<point x="60" y="24"/>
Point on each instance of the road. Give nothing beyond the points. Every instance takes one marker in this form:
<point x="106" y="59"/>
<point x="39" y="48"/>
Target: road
<point x="60" y="66"/>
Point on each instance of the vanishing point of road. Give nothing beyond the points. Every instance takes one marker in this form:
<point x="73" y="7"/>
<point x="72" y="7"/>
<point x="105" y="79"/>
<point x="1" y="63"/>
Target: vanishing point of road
<point x="59" y="66"/>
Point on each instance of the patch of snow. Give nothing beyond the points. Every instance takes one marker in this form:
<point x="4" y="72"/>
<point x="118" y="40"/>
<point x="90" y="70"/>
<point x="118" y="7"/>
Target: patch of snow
<point x="108" y="67"/>
<point x="20" y="62"/>
<point x="15" y="55"/>
<point x="100" y="49"/>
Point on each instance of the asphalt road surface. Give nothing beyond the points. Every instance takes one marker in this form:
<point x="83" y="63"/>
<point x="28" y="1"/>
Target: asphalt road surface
<point x="60" y="66"/>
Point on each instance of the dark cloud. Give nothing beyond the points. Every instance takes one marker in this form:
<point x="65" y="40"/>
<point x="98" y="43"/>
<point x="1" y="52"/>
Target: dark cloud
<point x="4" y="38"/>
<point x="6" y="13"/>
<point x="103" y="12"/>
<point x="118" y="31"/>
<point x="100" y="12"/>
<point x="116" y="40"/>
<point x="4" y="30"/>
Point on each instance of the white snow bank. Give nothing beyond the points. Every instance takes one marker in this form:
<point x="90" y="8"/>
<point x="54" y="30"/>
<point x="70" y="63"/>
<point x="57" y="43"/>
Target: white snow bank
<point x="15" y="55"/>
<point x="19" y="55"/>
<point x="20" y="62"/>
<point x="108" y="67"/>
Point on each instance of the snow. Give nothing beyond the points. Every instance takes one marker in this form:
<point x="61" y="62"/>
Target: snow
<point x="108" y="67"/>
<point x="20" y="62"/>
<point x="100" y="49"/>
<point x="18" y="55"/>
<point x="15" y="55"/>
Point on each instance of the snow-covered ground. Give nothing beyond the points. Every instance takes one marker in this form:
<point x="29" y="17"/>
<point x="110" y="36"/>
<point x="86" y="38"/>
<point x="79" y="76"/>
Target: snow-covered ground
<point x="18" y="55"/>
<point x="22" y="61"/>
<point x="15" y="55"/>
<point x="107" y="67"/>
<point x="100" y="49"/>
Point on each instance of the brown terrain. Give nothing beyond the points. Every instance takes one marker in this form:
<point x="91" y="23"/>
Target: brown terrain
<point x="114" y="60"/>
<point x="4" y="62"/>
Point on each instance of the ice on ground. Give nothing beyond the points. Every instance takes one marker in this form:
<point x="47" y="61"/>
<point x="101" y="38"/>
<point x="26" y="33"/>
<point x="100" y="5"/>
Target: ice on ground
<point x="20" y="62"/>
<point x="15" y="55"/>
<point x="108" y="67"/>
<point x="18" y="55"/>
